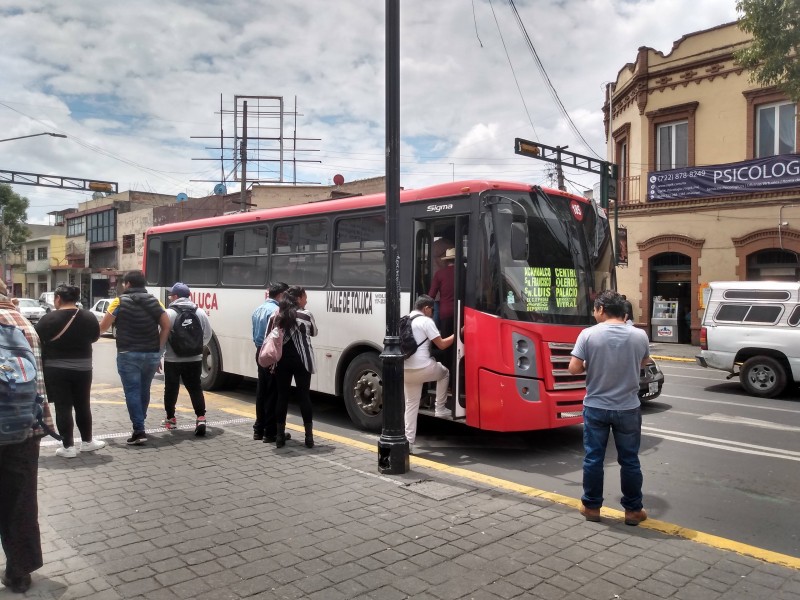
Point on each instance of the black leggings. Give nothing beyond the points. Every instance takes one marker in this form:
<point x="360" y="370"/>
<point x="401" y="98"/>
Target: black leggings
<point x="291" y="365"/>
<point x="68" y="389"/>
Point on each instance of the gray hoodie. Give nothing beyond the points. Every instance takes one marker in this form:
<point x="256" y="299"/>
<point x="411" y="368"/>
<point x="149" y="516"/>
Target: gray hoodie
<point x="180" y="303"/>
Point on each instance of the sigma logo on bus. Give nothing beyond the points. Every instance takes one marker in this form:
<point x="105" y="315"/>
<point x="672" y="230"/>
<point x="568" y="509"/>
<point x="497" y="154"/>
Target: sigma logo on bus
<point x="577" y="210"/>
<point x="439" y="207"/>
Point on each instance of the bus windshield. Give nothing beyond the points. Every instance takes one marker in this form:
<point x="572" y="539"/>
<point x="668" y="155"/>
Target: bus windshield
<point x="551" y="256"/>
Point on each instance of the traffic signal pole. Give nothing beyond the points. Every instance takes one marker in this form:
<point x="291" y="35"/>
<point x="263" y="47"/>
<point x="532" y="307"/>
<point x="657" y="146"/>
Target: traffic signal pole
<point x="562" y="158"/>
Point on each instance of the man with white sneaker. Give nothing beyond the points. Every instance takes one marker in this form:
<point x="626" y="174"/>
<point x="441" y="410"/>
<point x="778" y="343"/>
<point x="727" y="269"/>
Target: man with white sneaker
<point x="421" y="367"/>
<point x="611" y="354"/>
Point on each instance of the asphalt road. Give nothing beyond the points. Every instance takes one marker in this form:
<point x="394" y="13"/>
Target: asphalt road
<point x="714" y="459"/>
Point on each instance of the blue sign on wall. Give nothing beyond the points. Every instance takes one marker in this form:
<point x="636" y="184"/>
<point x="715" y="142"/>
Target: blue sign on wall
<point x="750" y="176"/>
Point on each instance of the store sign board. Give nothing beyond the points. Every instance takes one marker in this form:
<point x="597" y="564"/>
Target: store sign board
<point x="758" y="175"/>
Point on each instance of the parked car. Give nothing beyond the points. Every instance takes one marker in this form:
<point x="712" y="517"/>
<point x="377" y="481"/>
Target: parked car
<point x="651" y="380"/>
<point x="99" y="310"/>
<point x="31" y="309"/>
<point x="47" y="301"/>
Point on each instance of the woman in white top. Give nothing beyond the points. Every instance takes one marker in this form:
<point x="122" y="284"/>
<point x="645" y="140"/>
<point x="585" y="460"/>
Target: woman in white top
<point x="421" y="367"/>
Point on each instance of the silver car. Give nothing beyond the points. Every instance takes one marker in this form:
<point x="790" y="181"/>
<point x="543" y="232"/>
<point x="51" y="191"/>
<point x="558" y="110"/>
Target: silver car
<point x="31" y="309"/>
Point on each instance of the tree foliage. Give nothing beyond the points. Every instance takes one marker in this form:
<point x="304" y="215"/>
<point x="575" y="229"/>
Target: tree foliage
<point x="15" y="214"/>
<point x="773" y="56"/>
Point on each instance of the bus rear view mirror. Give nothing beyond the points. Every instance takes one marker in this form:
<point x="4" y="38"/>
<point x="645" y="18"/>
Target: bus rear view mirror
<point x="519" y="241"/>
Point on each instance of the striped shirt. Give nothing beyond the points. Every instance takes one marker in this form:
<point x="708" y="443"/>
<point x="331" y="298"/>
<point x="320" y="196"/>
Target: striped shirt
<point x="9" y="315"/>
<point x="301" y="335"/>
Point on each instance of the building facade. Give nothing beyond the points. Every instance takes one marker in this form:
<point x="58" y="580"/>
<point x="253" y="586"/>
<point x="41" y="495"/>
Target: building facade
<point x="709" y="178"/>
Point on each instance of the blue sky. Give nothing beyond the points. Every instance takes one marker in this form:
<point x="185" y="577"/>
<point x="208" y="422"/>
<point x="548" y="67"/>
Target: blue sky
<point x="131" y="83"/>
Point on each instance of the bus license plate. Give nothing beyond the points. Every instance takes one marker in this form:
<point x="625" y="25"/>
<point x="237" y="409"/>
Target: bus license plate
<point x="653" y="387"/>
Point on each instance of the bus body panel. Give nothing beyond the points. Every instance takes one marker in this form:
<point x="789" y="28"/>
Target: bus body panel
<point x="512" y="374"/>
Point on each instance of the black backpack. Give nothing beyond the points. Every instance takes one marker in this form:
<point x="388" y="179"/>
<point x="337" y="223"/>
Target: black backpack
<point x="186" y="336"/>
<point x="408" y="345"/>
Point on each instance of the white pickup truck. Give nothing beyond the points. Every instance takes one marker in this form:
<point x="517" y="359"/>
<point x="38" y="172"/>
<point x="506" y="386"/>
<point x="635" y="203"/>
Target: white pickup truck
<point x="752" y="329"/>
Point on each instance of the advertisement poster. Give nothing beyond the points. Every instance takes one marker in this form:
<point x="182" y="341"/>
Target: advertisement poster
<point x="756" y="175"/>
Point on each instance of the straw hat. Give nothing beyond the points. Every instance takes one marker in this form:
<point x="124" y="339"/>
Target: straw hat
<point x="450" y="254"/>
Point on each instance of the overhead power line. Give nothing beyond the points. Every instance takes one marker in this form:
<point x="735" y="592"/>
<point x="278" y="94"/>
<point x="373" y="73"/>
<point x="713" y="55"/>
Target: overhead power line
<point x="550" y="87"/>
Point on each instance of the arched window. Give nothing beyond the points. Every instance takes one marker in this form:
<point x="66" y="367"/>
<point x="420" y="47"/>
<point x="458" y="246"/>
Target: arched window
<point x="773" y="264"/>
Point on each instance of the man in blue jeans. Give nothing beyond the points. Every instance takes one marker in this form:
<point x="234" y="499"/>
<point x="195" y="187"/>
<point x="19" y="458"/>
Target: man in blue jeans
<point x="611" y="354"/>
<point x="142" y="331"/>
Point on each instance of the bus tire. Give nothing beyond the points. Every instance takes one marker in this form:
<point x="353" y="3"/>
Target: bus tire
<point x="211" y="375"/>
<point x="763" y="376"/>
<point x="363" y="392"/>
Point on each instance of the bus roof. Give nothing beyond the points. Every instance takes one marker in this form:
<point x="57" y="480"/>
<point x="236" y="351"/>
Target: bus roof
<point x="441" y="191"/>
<point x="754" y="285"/>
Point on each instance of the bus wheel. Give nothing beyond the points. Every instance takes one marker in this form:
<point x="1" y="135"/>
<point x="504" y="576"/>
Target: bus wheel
<point x="363" y="392"/>
<point x="211" y="375"/>
<point x="763" y="376"/>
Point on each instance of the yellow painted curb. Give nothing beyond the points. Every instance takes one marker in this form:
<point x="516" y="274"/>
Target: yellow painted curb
<point x="673" y="358"/>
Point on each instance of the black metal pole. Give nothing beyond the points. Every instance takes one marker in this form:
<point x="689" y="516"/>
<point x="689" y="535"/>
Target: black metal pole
<point x="392" y="445"/>
<point x="243" y="155"/>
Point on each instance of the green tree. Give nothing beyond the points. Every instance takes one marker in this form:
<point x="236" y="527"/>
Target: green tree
<point x="15" y="215"/>
<point x="773" y="57"/>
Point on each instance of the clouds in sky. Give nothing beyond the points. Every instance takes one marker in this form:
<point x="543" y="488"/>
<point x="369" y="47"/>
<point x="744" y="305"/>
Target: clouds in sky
<point x="130" y="83"/>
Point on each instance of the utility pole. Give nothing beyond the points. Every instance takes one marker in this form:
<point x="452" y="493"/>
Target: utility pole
<point x="243" y="155"/>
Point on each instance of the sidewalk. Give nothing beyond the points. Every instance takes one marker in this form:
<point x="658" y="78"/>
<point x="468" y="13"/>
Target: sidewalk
<point x="677" y="352"/>
<point x="226" y="517"/>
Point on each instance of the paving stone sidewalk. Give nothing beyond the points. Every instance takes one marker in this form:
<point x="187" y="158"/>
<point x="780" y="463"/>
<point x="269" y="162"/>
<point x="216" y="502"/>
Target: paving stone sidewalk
<point x="225" y="517"/>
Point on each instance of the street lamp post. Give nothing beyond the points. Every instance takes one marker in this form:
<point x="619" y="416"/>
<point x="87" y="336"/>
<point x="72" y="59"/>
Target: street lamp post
<point x="22" y="137"/>
<point x="392" y="445"/>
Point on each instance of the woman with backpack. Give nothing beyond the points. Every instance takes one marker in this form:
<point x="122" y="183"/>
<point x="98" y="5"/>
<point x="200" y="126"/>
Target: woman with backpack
<point x="67" y="335"/>
<point x="297" y="360"/>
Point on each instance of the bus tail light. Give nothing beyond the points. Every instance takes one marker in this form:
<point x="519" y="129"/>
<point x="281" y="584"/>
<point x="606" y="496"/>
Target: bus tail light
<point x="703" y="338"/>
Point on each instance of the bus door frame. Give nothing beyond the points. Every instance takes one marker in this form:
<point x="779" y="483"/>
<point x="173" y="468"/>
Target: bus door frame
<point x="423" y="238"/>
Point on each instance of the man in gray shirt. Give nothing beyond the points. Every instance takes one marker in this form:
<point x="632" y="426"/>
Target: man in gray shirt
<point x="611" y="354"/>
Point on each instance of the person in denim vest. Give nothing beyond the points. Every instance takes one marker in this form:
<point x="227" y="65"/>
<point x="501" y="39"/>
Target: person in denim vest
<point x="611" y="354"/>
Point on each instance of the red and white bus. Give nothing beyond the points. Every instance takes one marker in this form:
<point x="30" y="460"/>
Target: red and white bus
<point x="529" y="262"/>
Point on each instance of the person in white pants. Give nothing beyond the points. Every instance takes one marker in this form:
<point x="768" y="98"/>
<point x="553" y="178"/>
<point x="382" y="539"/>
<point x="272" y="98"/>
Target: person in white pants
<point x="421" y="367"/>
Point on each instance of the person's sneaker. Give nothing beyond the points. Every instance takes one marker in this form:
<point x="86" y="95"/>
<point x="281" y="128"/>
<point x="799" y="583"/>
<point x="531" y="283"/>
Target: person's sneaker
<point x="170" y="424"/>
<point x="92" y="445"/>
<point x="270" y="439"/>
<point x="590" y="514"/>
<point x="70" y="452"/>
<point x="200" y="427"/>
<point x="258" y="435"/>
<point x="18" y="585"/>
<point x="443" y="413"/>
<point x="138" y="438"/>
<point x="634" y="517"/>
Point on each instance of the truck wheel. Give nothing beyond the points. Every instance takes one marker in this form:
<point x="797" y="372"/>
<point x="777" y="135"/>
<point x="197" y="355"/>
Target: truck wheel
<point x="363" y="392"/>
<point x="763" y="376"/>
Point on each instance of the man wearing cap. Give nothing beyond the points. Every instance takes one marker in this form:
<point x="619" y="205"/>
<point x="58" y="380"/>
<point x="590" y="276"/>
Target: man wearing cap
<point x="265" y="427"/>
<point x="182" y="312"/>
<point x="142" y="330"/>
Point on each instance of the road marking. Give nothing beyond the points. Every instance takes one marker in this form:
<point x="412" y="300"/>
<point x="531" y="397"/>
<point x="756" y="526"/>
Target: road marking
<point x="723" y="444"/>
<point x="720" y="418"/>
<point x="726" y="403"/>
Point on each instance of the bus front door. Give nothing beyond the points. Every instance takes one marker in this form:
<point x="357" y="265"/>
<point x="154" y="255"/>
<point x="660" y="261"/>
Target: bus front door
<point x="440" y="262"/>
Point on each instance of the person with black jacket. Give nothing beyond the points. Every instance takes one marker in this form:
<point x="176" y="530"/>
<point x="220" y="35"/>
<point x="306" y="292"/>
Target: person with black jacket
<point x="297" y="360"/>
<point x="142" y="331"/>
<point x="67" y="335"/>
